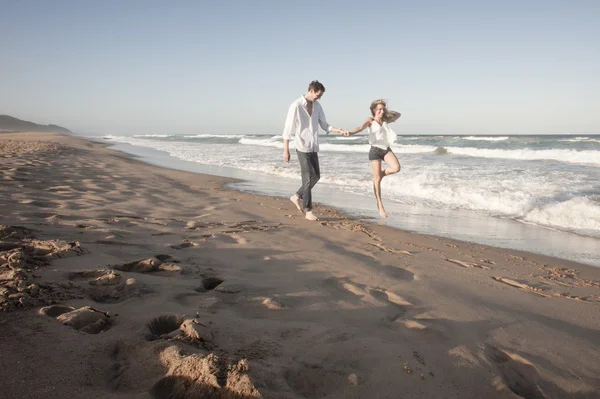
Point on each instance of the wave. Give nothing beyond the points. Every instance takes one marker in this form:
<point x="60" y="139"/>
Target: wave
<point x="152" y="135"/>
<point x="578" y="214"/>
<point x="581" y="140"/>
<point x="362" y="148"/>
<point x="329" y="147"/>
<point x="480" y="138"/>
<point x="415" y="137"/>
<point x="272" y="142"/>
<point x="351" y="138"/>
<point x="503" y="198"/>
<point x="218" y="136"/>
<point x="587" y="157"/>
<point x="584" y="157"/>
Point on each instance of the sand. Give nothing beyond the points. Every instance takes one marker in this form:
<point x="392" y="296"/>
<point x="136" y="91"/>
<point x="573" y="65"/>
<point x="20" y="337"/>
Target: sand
<point x="121" y="279"/>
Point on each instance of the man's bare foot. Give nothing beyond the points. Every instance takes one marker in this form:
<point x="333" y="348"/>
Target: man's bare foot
<point x="382" y="213"/>
<point x="311" y="216"/>
<point x="296" y="200"/>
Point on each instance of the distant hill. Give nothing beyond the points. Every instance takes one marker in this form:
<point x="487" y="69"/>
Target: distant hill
<point x="10" y="123"/>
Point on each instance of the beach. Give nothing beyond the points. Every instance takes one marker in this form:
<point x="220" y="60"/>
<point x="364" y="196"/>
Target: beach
<point x="124" y="279"/>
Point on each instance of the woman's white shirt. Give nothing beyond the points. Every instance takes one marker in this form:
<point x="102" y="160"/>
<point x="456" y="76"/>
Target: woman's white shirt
<point x="381" y="136"/>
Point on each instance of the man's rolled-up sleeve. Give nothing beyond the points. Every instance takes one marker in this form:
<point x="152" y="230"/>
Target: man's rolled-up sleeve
<point x="323" y="122"/>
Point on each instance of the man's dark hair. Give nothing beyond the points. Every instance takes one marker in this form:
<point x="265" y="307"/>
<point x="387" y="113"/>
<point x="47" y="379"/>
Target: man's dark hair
<point x="316" y="86"/>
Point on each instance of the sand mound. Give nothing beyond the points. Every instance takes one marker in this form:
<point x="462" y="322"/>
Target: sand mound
<point x="20" y="258"/>
<point x="196" y="376"/>
<point x="14" y="232"/>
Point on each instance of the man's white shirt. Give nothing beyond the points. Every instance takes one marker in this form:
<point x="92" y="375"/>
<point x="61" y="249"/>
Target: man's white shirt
<point x="305" y="127"/>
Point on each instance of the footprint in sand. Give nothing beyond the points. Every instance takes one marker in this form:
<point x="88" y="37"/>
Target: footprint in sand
<point x="522" y="286"/>
<point x="426" y="332"/>
<point x="342" y="292"/>
<point x="370" y="295"/>
<point x="427" y="326"/>
<point x="193" y="299"/>
<point x="313" y="380"/>
<point x="178" y="328"/>
<point x="85" y="319"/>
<point x="152" y="266"/>
<point x="164" y="325"/>
<point x="108" y="286"/>
<point x="269" y="303"/>
<point x="230" y="239"/>
<point x="468" y="265"/>
<point x="389" y="249"/>
<point x="184" y="244"/>
<point x="519" y="375"/>
<point x="390" y="297"/>
<point x="209" y="283"/>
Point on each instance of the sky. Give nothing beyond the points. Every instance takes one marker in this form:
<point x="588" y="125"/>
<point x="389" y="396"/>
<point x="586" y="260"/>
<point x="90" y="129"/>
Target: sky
<point x="174" y="67"/>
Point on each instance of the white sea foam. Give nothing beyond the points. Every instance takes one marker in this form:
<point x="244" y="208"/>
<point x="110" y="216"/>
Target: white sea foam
<point x="414" y="137"/>
<point x="362" y="148"/>
<point x="588" y="157"/>
<point x="153" y="135"/>
<point x="480" y="138"/>
<point x="440" y="189"/>
<point x="576" y="214"/>
<point x="351" y="138"/>
<point x="581" y="140"/>
<point x="220" y="136"/>
<point x="330" y="147"/>
<point x="272" y="142"/>
<point x="413" y="149"/>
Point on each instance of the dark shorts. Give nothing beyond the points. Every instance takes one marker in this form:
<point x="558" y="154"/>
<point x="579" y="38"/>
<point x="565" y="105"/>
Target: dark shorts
<point x="377" y="154"/>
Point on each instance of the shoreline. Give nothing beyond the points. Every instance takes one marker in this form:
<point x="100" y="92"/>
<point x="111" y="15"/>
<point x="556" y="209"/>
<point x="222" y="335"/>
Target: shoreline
<point x="481" y="229"/>
<point x="337" y="308"/>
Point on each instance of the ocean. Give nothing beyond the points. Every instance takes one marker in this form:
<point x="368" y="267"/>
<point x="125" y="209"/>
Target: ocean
<point x="534" y="193"/>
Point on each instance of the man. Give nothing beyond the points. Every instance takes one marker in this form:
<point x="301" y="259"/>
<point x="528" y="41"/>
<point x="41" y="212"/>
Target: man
<point x="304" y="117"/>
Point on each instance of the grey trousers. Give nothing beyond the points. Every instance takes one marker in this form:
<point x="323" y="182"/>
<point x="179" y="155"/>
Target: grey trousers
<point x="309" y="168"/>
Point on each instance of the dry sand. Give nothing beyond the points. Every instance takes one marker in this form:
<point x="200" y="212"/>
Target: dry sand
<point x="120" y="279"/>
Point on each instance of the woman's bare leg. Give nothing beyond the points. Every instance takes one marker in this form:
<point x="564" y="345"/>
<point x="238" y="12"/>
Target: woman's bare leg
<point x="377" y="176"/>
<point x="393" y="166"/>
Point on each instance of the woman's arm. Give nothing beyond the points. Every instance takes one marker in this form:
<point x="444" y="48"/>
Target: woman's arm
<point x="391" y="116"/>
<point x="360" y="128"/>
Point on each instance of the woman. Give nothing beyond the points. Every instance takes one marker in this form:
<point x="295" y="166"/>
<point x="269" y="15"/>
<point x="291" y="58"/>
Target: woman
<point x="381" y="136"/>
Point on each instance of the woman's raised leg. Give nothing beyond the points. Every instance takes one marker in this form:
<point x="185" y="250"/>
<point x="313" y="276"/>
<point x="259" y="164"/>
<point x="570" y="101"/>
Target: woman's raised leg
<point x="393" y="166"/>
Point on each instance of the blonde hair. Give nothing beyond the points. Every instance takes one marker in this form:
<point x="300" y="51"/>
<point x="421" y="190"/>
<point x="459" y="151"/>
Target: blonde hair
<point x="387" y="115"/>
